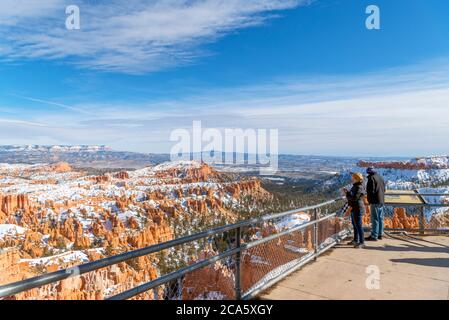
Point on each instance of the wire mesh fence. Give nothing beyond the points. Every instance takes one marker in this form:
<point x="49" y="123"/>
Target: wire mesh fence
<point x="269" y="260"/>
<point x="413" y="218"/>
<point x="330" y="230"/>
<point x="213" y="282"/>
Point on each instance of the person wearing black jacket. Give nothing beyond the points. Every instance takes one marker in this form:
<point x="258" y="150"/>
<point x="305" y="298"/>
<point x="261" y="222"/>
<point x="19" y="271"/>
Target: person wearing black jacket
<point x="355" y="198"/>
<point x="375" y="189"/>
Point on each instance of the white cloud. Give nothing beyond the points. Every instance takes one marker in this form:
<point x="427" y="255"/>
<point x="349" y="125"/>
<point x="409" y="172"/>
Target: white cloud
<point x="394" y="112"/>
<point x="132" y="36"/>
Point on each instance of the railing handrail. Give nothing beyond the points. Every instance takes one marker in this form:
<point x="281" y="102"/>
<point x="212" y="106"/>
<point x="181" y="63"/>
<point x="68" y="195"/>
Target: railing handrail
<point x="39" y="281"/>
<point x="389" y="193"/>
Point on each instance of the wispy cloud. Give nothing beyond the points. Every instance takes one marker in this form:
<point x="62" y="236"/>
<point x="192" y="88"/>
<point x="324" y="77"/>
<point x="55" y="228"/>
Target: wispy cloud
<point x="21" y="123"/>
<point x="133" y="36"/>
<point x="53" y="103"/>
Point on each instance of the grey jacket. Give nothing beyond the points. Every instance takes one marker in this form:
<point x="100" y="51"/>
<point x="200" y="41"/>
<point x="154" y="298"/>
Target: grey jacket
<point x="355" y="198"/>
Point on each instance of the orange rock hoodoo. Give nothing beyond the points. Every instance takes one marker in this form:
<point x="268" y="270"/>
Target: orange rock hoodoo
<point x="59" y="167"/>
<point x="400" y="219"/>
<point x="121" y="175"/>
<point x="9" y="204"/>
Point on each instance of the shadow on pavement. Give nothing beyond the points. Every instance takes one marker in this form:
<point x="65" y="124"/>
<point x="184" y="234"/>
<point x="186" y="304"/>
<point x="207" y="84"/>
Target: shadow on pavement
<point x="428" y="262"/>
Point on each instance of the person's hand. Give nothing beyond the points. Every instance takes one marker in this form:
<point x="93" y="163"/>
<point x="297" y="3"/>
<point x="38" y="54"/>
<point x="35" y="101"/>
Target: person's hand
<point x="344" y="190"/>
<point x="365" y="200"/>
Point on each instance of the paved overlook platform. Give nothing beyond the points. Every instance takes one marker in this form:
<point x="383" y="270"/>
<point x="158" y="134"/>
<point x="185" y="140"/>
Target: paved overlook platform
<point x="410" y="268"/>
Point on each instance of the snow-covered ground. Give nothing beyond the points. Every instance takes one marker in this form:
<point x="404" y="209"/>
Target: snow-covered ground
<point x="436" y="162"/>
<point x="10" y="230"/>
<point x="66" y="257"/>
<point x="404" y="179"/>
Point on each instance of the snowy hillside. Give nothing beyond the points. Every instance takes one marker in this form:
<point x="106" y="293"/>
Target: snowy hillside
<point x="412" y="174"/>
<point x="404" y="179"/>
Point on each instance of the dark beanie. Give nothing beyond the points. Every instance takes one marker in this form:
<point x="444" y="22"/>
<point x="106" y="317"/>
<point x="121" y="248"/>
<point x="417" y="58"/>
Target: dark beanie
<point x="370" y="170"/>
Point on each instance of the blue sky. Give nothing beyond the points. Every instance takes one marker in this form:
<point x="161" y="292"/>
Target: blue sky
<point x="310" y="69"/>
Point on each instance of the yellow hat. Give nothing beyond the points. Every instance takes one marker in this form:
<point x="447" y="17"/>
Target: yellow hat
<point x="357" y="176"/>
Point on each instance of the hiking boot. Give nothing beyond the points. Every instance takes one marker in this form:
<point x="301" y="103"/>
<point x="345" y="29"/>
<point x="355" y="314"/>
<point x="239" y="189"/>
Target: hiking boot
<point x="351" y="243"/>
<point x="379" y="238"/>
<point x="370" y="238"/>
<point x="359" y="246"/>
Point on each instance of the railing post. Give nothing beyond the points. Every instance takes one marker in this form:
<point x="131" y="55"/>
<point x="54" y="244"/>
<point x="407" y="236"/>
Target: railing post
<point x="238" y="261"/>
<point x="315" y="232"/>
<point x="421" y="221"/>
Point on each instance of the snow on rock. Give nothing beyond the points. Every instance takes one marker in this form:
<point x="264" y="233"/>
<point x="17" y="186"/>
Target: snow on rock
<point x="408" y="175"/>
<point x="66" y="257"/>
<point x="295" y="249"/>
<point x="177" y="165"/>
<point x="436" y="162"/>
<point x="10" y="230"/>
<point x="292" y="221"/>
<point x="211" y="295"/>
<point x="258" y="260"/>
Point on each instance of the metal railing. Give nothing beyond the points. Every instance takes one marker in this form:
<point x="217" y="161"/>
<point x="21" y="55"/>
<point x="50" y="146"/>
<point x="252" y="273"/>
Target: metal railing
<point x="278" y="253"/>
<point x="258" y="253"/>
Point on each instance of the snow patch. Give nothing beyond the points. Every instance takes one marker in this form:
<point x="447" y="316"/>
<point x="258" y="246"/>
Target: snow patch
<point x="292" y="221"/>
<point x="10" y="230"/>
<point x="177" y="165"/>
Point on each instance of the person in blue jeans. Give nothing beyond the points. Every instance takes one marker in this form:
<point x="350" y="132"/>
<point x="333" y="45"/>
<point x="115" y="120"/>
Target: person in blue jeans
<point x="357" y="225"/>
<point x="355" y="198"/>
<point x="375" y="189"/>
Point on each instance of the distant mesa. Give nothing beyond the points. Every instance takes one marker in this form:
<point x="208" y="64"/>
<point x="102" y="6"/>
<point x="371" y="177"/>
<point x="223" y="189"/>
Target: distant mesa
<point x="86" y="156"/>
<point x="424" y="163"/>
<point x="54" y="148"/>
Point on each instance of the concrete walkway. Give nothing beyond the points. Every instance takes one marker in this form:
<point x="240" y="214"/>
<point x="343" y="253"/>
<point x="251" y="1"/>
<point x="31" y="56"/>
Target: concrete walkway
<point x="409" y="269"/>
